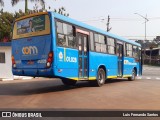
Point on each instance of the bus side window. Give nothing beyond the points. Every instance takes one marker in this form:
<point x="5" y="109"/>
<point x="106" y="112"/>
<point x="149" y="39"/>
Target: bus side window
<point x="59" y="27"/>
<point x="98" y="47"/>
<point x="96" y="38"/>
<point x="97" y="44"/>
<point x="111" y="45"/>
<point x="60" y="36"/>
<point x="100" y="43"/>
<point x="71" y="36"/>
<point x="91" y="41"/>
<point x="103" y="48"/>
<point x="135" y="52"/>
<point x="129" y="50"/>
<point x="61" y="40"/>
<point x="103" y="43"/>
<point x="71" y="42"/>
<point x="65" y="34"/>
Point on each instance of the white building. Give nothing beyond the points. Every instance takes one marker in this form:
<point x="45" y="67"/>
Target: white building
<point x="5" y="61"/>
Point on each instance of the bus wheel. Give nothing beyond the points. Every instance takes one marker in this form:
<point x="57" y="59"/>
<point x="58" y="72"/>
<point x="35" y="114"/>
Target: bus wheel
<point x="69" y="82"/>
<point x="133" y="77"/>
<point x="101" y="77"/>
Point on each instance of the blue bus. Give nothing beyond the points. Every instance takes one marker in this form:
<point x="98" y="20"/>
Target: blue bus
<point x="47" y="44"/>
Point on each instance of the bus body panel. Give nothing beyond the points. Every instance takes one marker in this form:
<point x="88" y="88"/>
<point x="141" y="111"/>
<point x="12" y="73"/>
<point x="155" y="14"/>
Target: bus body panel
<point x="129" y="65"/>
<point x="32" y="52"/>
<point x="108" y="61"/>
<point x="33" y="63"/>
<point x="34" y="72"/>
<point x="67" y="62"/>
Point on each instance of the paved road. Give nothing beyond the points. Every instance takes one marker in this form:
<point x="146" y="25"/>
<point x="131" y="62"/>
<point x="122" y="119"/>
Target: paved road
<point x="51" y="93"/>
<point x="150" y="72"/>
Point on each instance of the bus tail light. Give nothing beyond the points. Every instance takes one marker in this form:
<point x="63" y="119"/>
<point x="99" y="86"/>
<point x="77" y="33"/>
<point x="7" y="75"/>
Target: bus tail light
<point x="13" y="62"/>
<point x="50" y="59"/>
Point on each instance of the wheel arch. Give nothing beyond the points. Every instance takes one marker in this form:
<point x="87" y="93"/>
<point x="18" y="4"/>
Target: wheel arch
<point x="135" y="68"/>
<point x="103" y="67"/>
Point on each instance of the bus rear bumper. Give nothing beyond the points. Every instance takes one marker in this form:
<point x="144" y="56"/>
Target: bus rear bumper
<point x="34" y="72"/>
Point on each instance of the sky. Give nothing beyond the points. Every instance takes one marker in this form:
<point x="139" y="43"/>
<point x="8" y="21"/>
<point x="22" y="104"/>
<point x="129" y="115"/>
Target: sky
<point x="123" y="21"/>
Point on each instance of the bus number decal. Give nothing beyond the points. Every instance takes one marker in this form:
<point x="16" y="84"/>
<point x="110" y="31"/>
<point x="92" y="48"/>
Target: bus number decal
<point x="42" y="61"/>
<point x="67" y="58"/>
<point x="71" y="59"/>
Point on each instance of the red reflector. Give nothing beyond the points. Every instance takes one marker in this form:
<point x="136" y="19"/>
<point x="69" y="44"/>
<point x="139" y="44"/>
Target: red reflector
<point x="137" y="60"/>
<point x="12" y="58"/>
<point x="49" y="60"/>
<point x="13" y="61"/>
<point x="50" y="54"/>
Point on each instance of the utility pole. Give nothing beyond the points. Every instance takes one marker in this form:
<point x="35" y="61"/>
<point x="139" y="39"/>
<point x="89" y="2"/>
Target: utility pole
<point x="108" y="22"/>
<point x="145" y="36"/>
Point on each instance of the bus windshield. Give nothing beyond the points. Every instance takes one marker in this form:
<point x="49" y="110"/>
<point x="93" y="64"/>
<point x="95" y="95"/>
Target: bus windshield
<point x="31" y="26"/>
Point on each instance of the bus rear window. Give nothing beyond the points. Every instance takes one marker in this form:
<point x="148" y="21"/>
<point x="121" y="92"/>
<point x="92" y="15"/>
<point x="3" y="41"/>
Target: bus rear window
<point x="33" y="26"/>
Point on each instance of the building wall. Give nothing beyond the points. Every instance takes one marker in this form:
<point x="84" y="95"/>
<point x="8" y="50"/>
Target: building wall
<point x="6" y="68"/>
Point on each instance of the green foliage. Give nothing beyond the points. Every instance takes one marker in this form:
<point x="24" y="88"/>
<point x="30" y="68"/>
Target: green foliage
<point x="6" y="22"/>
<point x="61" y="11"/>
<point x="14" y="2"/>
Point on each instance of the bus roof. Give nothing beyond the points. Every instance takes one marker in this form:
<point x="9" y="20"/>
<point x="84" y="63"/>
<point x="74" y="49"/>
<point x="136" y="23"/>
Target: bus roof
<point x="83" y="25"/>
<point x="80" y="24"/>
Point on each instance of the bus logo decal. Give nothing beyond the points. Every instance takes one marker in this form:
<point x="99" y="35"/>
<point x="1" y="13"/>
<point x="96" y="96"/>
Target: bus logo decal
<point x="126" y="62"/>
<point x="60" y="56"/>
<point x="29" y="50"/>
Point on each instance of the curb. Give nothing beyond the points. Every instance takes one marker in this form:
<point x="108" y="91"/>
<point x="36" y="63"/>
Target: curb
<point x="18" y="78"/>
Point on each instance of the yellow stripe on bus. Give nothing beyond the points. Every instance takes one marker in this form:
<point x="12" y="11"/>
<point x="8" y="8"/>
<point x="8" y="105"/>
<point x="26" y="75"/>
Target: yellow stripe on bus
<point x="91" y="78"/>
<point x="127" y="76"/>
<point x="111" y="76"/>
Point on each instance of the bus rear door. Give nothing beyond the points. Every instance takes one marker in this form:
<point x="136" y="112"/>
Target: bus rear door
<point x="120" y="59"/>
<point x="82" y="39"/>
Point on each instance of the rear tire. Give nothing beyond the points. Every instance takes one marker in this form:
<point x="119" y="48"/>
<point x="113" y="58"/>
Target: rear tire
<point x="101" y="77"/>
<point x="133" y="77"/>
<point x="69" y="82"/>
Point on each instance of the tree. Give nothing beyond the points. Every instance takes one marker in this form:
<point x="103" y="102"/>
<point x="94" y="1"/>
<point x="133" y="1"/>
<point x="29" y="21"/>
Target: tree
<point x="14" y="2"/>
<point x="6" y="20"/>
<point x="157" y="40"/>
<point x="61" y="11"/>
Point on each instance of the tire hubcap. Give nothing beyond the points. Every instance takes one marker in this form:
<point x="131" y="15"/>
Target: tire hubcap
<point x="101" y="78"/>
<point x="133" y="75"/>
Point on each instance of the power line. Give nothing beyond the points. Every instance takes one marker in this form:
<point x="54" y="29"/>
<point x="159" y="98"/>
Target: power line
<point x="139" y="36"/>
<point x="119" y="19"/>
